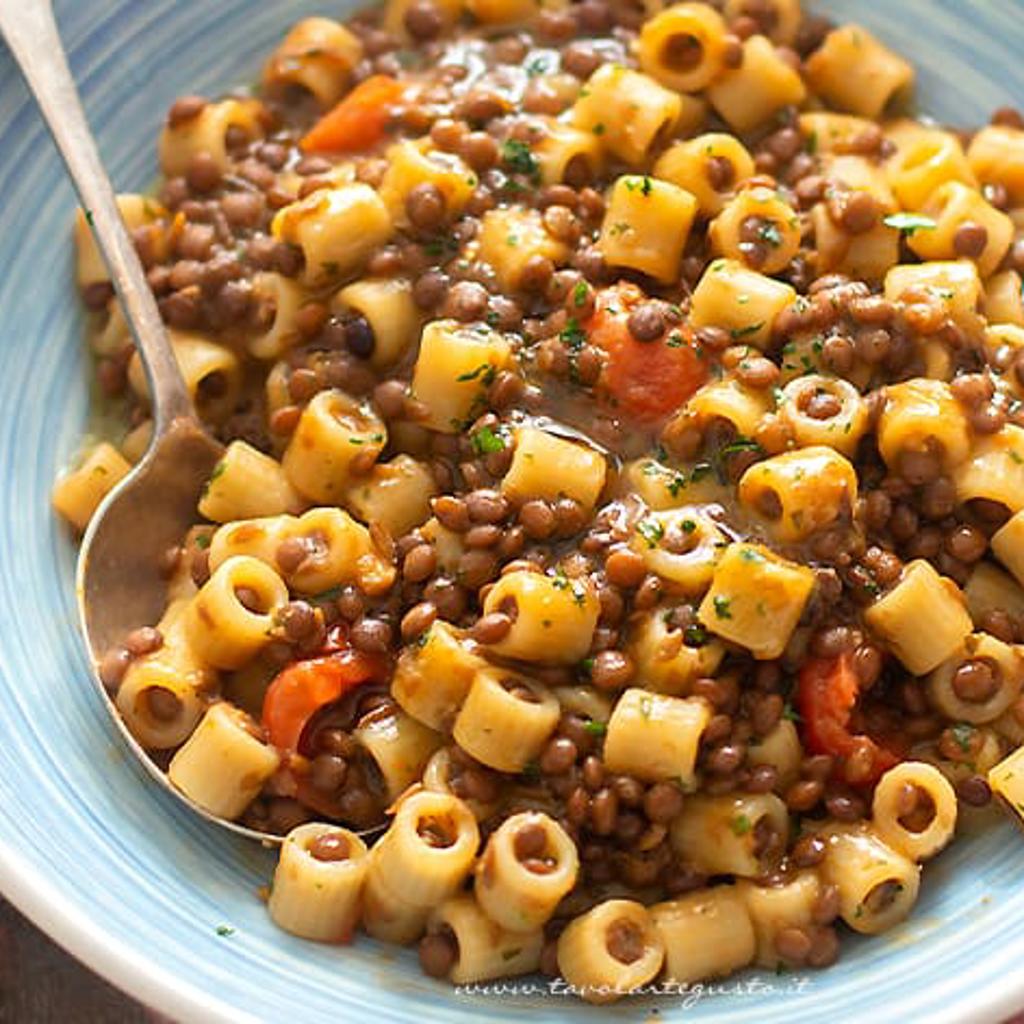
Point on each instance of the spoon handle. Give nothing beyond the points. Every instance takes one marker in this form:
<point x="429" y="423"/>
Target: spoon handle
<point x="30" y="31"/>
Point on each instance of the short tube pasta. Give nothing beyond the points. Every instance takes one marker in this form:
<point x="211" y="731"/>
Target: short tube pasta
<point x="757" y="228"/>
<point x="433" y="676"/>
<point x="802" y="491"/>
<point x="223" y="764"/>
<point x="877" y="886"/>
<point x="683" y="46"/>
<point x="853" y="71"/>
<point x="922" y="834"/>
<point x="337" y="438"/>
<point x="483" y="949"/>
<point x="1000" y="667"/>
<point x="656" y="737"/>
<point x="423" y="858"/>
<point x="682" y="546"/>
<point x="318" y="883"/>
<point x="553" y="617"/>
<point x="231" y="617"/>
<point x="693" y="164"/>
<point x="922" y="416"/>
<point x="317" y="55"/>
<point x="505" y="719"/>
<point x="211" y="373"/>
<point x="399" y="746"/>
<point x="921" y="595"/>
<point x="744" y="302"/>
<point x="528" y="865"/>
<point x="707" y="934"/>
<point x="551" y="467"/>
<point x="824" y="411"/>
<point x="737" y="835"/>
<point x="246" y="484"/>
<point x="596" y="952"/>
<point x="668" y="660"/>
<point x="773" y="908"/>
<point x="78" y="494"/>
<point x="628" y="111"/>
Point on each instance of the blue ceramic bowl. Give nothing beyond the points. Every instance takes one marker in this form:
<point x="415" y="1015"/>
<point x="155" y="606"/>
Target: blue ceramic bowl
<point x="154" y="899"/>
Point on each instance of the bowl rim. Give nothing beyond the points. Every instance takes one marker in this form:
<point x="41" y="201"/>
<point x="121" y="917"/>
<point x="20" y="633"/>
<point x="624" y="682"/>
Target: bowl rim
<point x="35" y="896"/>
<point x="30" y="892"/>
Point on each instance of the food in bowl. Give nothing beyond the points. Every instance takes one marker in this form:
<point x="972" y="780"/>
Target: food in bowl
<point x="623" y="484"/>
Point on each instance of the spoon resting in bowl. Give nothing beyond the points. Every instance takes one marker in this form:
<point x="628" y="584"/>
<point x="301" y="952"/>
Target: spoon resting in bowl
<point x="119" y="582"/>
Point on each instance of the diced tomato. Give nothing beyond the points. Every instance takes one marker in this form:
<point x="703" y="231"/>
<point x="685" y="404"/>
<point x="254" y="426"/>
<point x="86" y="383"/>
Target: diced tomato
<point x="299" y="691"/>
<point x="644" y="380"/>
<point x="827" y="698"/>
<point x="359" y="120"/>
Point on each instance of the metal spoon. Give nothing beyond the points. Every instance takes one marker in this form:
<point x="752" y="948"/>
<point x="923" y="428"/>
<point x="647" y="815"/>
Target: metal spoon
<point x="119" y="585"/>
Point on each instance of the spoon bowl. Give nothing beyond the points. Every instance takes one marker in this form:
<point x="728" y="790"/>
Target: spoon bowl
<point x="119" y="583"/>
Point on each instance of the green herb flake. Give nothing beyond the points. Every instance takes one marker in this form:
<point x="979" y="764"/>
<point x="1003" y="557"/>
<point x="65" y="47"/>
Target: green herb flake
<point x="688" y="526"/>
<point x="517" y="157"/>
<point x="962" y="734"/>
<point x="485" y="441"/>
<point x="722" y="609"/>
<point x="908" y="223"/>
<point x="740" y="825"/>
<point x="203" y="541"/>
<point x="745" y="332"/>
<point x="695" y="636"/>
<point x="573" y="335"/>
<point x="580" y="294"/>
<point x="770" y="233"/>
<point x="751" y="555"/>
<point x="651" y="530"/>
<point x="595" y="728"/>
<point x="224" y="930"/>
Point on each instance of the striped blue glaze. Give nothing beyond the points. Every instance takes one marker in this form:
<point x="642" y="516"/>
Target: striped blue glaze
<point x="118" y="872"/>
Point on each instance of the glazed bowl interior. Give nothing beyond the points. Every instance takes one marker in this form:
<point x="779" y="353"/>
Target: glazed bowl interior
<point x="160" y="902"/>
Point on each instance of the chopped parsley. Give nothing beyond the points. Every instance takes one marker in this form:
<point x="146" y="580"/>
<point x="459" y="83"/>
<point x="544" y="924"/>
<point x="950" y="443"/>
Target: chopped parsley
<point x="223" y="930"/>
<point x="688" y="525"/>
<point x="517" y="157"/>
<point x="908" y="223"/>
<point x="580" y="293"/>
<point x="695" y="636"/>
<point x="651" y="530"/>
<point x="962" y="734"/>
<point x="485" y="371"/>
<point x="722" y="609"/>
<point x="595" y="728"/>
<point x="573" y="335"/>
<point x="740" y="825"/>
<point x="485" y="441"/>
<point x="770" y="233"/>
<point x="744" y="332"/>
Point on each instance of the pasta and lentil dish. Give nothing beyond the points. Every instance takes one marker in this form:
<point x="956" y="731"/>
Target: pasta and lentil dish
<point x="615" y="566"/>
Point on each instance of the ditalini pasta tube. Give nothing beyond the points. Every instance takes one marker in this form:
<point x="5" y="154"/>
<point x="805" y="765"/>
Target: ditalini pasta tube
<point x="655" y="737"/>
<point x="529" y="864"/>
<point x="681" y="546"/>
<point x="223" y="765"/>
<point x="553" y="617"/>
<point x="160" y="696"/>
<point x="914" y="809"/>
<point x="877" y="886"/>
<point x="481" y="948"/>
<point x="921" y="595"/>
<point x="434" y="675"/>
<point x="423" y="858"/>
<point x="231" y="617"/>
<point x="318" y="883"/>
<point x="246" y="484"/>
<point x="979" y="682"/>
<point x="739" y="835"/>
<point x="774" y="908"/>
<point x="707" y="934"/>
<point x="399" y="745"/>
<point x="337" y="438"/>
<point x="505" y="720"/>
<point x="611" y="950"/>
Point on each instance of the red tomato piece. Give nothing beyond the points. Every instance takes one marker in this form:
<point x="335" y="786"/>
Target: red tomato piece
<point x="359" y="121"/>
<point x="645" y="380"/>
<point x="301" y="689"/>
<point x="827" y="696"/>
